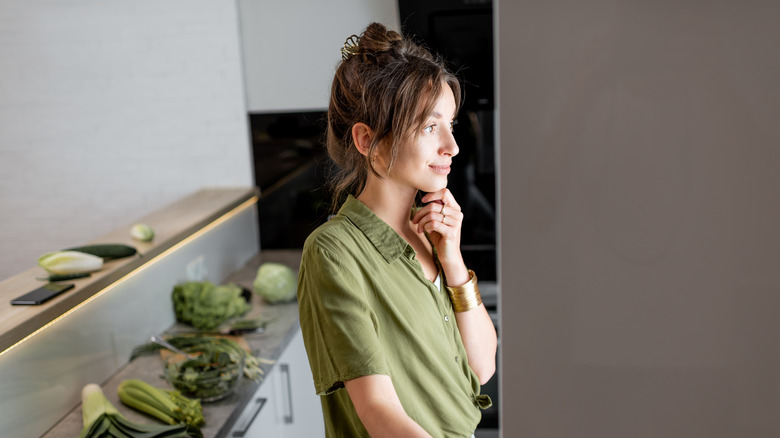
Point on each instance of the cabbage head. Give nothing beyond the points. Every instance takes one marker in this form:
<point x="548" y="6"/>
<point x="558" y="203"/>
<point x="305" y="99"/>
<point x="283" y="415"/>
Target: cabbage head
<point x="275" y="282"/>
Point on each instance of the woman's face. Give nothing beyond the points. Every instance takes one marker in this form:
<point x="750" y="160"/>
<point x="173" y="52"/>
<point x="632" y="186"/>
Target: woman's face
<point x="424" y="163"/>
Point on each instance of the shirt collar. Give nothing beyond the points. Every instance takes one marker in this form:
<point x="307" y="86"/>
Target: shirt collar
<point x="384" y="238"/>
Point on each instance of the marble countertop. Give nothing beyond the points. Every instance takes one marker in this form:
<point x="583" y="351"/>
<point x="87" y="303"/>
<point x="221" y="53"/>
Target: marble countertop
<point x="220" y="415"/>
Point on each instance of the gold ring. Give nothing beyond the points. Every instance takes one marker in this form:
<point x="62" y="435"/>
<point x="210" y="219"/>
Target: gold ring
<point x="442" y="209"/>
<point x="442" y="219"/>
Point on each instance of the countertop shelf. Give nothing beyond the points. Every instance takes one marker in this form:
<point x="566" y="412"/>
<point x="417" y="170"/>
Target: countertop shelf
<point x="172" y="225"/>
<point x="222" y="414"/>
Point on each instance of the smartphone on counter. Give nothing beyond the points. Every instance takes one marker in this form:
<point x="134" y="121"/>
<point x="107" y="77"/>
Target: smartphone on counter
<point x="42" y="294"/>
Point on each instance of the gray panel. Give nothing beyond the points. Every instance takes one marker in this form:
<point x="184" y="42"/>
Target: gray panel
<point x="640" y="218"/>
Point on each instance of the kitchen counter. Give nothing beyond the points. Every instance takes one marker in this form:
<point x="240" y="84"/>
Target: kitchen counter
<point x="222" y="414"/>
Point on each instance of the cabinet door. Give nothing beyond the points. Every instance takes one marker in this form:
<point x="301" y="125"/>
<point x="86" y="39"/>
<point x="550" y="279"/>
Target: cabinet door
<point x="299" y="405"/>
<point x="259" y="418"/>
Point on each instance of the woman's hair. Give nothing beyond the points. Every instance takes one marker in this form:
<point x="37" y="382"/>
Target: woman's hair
<point x="391" y="84"/>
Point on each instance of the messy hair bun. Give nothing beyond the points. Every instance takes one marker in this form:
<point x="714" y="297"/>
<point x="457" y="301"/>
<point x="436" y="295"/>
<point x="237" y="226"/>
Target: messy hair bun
<point x="391" y="84"/>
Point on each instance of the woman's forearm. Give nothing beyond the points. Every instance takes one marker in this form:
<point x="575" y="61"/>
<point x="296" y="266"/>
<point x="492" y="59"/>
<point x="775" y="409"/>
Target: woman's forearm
<point x="379" y="408"/>
<point x="479" y="338"/>
<point x="475" y="326"/>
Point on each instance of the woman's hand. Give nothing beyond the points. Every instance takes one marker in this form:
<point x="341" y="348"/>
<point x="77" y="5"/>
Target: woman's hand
<point x="442" y="219"/>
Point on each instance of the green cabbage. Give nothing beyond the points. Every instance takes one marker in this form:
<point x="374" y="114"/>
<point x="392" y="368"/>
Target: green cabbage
<point x="275" y="282"/>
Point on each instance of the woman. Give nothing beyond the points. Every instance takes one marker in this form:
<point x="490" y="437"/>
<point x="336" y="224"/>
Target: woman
<point x="397" y="337"/>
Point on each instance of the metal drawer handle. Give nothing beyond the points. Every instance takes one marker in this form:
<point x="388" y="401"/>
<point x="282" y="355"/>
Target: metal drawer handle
<point x="241" y="431"/>
<point x="285" y="368"/>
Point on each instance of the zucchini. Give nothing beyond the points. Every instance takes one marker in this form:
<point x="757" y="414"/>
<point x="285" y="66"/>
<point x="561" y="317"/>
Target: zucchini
<point x="107" y="250"/>
<point x="63" y="277"/>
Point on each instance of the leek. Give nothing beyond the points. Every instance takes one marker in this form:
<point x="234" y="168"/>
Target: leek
<point x="102" y="419"/>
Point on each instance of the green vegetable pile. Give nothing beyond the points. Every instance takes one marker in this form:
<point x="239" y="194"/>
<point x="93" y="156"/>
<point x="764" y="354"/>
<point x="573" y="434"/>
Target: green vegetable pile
<point x="205" y="306"/>
<point x="208" y="345"/>
<point x="208" y="376"/>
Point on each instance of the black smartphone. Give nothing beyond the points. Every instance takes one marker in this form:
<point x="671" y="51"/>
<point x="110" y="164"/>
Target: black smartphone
<point x="42" y="294"/>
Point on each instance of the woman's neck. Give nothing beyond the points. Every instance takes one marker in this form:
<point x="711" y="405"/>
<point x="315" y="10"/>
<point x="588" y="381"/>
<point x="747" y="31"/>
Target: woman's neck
<point x="390" y="203"/>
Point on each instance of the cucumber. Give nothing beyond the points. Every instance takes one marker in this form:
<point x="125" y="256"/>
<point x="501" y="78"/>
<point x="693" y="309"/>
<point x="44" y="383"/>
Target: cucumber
<point x="63" y="277"/>
<point x="107" y="250"/>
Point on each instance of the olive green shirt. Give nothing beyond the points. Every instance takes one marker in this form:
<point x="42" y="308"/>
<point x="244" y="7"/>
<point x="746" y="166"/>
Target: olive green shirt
<point x="366" y="308"/>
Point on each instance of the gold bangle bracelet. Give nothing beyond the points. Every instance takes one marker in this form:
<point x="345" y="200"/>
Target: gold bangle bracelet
<point x="466" y="296"/>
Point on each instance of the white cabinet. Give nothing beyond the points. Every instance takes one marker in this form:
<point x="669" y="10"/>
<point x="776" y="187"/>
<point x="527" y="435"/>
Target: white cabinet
<point x="299" y="405"/>
<point x="285" y="404"/>
<point x="259" y="416"/>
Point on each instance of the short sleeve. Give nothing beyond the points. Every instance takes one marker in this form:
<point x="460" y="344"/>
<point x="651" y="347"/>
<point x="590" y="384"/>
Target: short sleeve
<point x="337" y="322"/>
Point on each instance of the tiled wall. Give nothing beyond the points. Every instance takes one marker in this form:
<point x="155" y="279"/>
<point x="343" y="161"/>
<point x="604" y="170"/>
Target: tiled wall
<point x="110" y="110"/>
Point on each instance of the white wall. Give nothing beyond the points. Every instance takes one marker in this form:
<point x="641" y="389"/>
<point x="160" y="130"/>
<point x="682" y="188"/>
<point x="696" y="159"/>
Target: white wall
<point x="110" y="109"/>
<point x="640" y="218"/>
<point x="291" y="48"/>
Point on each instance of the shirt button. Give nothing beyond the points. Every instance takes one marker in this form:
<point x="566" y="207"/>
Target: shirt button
<point x="446" y="318"/>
